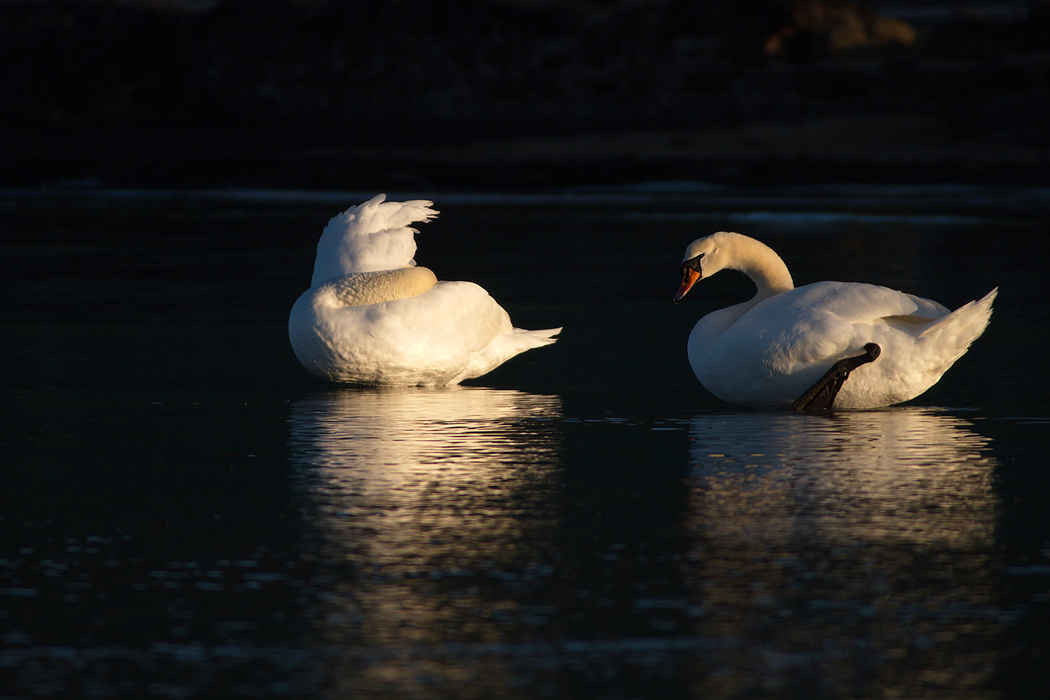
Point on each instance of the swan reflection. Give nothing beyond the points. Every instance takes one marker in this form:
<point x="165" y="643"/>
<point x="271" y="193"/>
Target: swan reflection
<point x="401" y="476"/>
<point x="901" y="475"/>
<point x="855" y="551"/>
<point x="419" y="499"/>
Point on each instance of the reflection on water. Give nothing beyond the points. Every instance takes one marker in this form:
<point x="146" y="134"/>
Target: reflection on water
<point x="409" y="490"/>
<point x="394" y="473"/>
<point x="473" y="543"/>
<point x="907" y="476"/>
<point x="851" y="553"/>
<point x="850" y="556"/>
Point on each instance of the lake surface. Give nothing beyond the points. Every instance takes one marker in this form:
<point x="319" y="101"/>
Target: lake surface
<point x="185" y="512"/>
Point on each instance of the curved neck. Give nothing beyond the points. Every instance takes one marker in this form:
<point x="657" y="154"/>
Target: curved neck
<point x="363" y="288"/>
<point x="759" y="262"/>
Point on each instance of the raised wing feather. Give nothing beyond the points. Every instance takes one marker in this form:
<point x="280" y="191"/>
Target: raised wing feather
<point x="372" y="236"/>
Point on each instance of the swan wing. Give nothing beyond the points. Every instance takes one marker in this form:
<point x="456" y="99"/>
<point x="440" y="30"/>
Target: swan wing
<point x="451" y="332"/>
<point x="778" y="348"/>
<point x="784" y="344"/>
<point x="376" y="235"/>
<point x="856" y="302"/>
<point x="453" y="318"/>
<point x="457" y="326"/>
<point x="824" y="322"/>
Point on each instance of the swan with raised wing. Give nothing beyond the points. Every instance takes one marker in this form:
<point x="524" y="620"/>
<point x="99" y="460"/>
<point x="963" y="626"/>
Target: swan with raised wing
<point x="372" y="317"/>
<point x="823" y="345"/>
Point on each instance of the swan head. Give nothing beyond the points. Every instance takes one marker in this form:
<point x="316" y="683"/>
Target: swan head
<point x="703" y="258"/>
<point x="734" y="251"/>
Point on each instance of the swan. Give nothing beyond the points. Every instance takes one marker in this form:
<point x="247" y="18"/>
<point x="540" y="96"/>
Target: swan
<point x="797" y="347"/>
<point x="372" y="317"/>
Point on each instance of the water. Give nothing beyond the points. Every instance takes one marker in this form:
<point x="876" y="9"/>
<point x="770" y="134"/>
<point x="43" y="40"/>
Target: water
<point x="186" y="513"/>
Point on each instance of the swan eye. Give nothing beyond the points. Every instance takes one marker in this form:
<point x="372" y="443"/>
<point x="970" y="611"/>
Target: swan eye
<point x="690" y="264"/>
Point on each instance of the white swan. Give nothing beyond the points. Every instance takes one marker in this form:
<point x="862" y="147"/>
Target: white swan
<point x="791" y="347"/>
<point x="372" y="317"/>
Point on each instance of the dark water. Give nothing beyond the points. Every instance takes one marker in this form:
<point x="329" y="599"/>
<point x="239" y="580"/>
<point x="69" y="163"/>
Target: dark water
<point x="186" y="513"/>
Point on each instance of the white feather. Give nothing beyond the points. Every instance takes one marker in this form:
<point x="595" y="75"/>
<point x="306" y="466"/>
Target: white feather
<point x="770" y="350"/>
<point x="366" y="320"/>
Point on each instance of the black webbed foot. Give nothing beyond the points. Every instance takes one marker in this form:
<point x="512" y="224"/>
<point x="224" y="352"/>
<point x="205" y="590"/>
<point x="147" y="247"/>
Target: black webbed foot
<point x="821" y="396"/>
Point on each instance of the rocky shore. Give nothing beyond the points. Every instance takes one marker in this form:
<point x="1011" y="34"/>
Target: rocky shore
<point x="505" y="94"/>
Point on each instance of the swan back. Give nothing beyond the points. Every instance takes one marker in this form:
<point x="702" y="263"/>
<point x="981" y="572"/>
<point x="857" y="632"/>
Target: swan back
<point x="368" y="237"/>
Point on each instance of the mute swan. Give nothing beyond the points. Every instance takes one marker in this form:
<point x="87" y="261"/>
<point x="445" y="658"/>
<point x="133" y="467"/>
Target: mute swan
<point x="789" y="347"/>
<point x="372" y="317"/>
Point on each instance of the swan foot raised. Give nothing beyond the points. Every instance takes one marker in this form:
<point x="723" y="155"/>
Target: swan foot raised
<point x="821" y="396"/>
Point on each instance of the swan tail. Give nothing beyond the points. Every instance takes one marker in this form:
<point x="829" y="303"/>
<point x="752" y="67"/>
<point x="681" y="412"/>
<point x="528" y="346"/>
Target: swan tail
<point x="948" y="339"/>
<point x="518" y="341"/>
<point x="535" y="339"/>
<point x="968" y="322"/>
<point x="504" y="347"/>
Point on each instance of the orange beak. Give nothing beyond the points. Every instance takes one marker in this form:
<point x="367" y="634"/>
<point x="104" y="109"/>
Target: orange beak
<point x="689" y="278"/>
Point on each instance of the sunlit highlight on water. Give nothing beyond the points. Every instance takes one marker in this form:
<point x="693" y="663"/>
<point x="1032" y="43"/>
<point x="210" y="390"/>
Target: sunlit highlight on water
<point x="412" y="487"/>
<point x="906" y="475"/>
<point x="851" y="552"/>
<point x="822" y="553"/>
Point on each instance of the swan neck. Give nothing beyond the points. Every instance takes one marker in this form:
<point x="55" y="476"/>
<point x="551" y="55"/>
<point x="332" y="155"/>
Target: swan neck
<point x="765" y="268"/>
<point x="363" y="288"/>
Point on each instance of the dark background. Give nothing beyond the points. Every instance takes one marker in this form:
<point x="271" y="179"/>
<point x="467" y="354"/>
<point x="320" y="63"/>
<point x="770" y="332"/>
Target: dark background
<point x="518" y="95"/>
